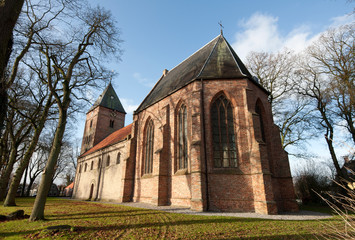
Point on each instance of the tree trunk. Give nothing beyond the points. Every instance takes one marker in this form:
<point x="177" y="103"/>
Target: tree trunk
<point x="333" y="155"/>
<point x="49" y="170"/>
<point x="4" y="180"/>
<point x="9" y="13"/>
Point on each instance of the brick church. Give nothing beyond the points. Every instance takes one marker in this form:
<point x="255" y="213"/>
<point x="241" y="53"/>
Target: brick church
<point x="203" y="138"/>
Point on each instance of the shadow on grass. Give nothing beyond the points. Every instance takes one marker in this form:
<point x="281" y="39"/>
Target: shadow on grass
<point x="13" y="234"/>
<point x="170" y="223"/>
<point x="123" y="212"/>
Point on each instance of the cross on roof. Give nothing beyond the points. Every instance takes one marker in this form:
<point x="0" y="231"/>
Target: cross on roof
<point x="220" y="24"/>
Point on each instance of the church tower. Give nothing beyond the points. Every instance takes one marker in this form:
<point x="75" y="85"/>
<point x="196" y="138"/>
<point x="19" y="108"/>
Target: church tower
<point x="104" y="117"/>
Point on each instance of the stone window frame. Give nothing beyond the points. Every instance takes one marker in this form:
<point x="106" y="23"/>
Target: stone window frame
<point x="118" y="158"/>
<point x="181" y="163"/>
<point x="148" y="148"/>
<point x="231" y="137"/>
<point x="108" y="160"/>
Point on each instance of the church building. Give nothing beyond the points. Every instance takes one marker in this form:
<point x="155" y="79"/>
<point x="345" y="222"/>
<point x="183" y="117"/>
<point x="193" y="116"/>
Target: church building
<point x="203" y="138"/>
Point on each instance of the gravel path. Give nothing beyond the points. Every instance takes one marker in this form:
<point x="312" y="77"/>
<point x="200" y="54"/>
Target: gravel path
<point x="301" y="215"/>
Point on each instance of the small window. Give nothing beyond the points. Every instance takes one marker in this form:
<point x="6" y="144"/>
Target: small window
<point x="80" y="168"/>
<point x="112" y="122"/>
<point x="92" y="165"/>
<point x="118" y="160"/>
<point x="90" y="123"/>
<point x="99" y="163"/>
<point x="86" y="166"/>
<point x="108" y="161"/>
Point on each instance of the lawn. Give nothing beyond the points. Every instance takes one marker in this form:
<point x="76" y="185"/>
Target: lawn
<point x="90" y="220"/>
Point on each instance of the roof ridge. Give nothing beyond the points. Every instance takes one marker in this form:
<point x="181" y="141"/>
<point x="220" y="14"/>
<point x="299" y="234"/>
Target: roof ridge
<point x="209" y="56"/>
<point x="235" y="60"/>
<point x="150" y="91"/>
<point x="169" y="71"/>
<point x="193" y="54"/>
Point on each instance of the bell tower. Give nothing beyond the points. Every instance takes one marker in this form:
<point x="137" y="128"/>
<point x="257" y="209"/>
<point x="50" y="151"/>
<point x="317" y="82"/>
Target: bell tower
<point x="106" y="116"/>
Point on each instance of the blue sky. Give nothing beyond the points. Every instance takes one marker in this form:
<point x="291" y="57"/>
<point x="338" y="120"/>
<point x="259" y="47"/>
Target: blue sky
<point x="161" y="34"/>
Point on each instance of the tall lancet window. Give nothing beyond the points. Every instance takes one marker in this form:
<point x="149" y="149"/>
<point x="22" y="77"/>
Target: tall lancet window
<point x="223" y="136"/>
<point x="182" y="138"/>
<point x="261" y="122"/>
<point x="149" y="142"/>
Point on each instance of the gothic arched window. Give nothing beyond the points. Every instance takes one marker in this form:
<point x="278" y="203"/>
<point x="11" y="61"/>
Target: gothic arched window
<point x="149" y="142"/>
<point x="223" y="136"/>
<point x="261" y="122"/>
<point x="182" y="138"/>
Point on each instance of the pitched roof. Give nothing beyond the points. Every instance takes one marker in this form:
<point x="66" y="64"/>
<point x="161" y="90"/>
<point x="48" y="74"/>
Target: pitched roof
<point x="113" y="138"/>
<point x="109" y="99"/>
<point x="216" y="60"/>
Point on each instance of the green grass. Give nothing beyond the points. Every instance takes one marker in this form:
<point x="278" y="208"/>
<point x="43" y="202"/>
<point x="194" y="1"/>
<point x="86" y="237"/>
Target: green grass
<point x="108" y="221"/>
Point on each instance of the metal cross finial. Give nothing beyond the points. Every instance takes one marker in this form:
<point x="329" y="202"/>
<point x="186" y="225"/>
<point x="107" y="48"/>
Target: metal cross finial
<point x="111" y="76"/>
<point x="220" y="24"/>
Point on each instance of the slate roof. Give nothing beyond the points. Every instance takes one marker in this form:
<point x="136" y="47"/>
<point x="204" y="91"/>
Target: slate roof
<point x="113" y="138"/>
<point x="216" y="60"/>
<point x="109" y="99"/>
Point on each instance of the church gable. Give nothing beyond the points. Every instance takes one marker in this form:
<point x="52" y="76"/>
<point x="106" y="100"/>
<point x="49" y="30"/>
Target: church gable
<point x="216" y="60"/>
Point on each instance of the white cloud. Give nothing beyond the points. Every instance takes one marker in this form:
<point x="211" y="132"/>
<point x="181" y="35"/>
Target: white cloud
<point x="129" y="105"/>
<point x="342" y="20"/>
<point x="261" y="33"/>
<point x="142" y="80"/>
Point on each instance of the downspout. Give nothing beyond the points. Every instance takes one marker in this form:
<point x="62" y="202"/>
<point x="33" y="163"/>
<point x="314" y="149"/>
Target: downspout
<point x="204" y="144"/>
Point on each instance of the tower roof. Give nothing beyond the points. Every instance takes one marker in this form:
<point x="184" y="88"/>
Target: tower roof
<point x="109" y="99"/>
<point x="216" y="60"/>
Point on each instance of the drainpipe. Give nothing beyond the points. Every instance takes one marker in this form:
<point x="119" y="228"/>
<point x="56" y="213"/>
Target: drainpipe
<point x="204" y="143"/>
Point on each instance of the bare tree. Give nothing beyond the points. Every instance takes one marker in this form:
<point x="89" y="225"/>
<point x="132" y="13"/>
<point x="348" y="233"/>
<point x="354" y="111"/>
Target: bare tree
<point x="19" y="129"/>
<point x="334" y="56"/>
<point x="39" y="19"/>
<point x="326" y="78"/>
<point x="72" y="65"/>
<point x="275" y="72"/>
